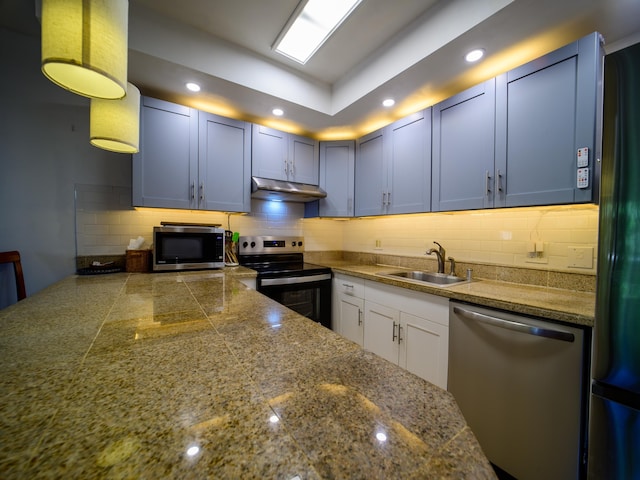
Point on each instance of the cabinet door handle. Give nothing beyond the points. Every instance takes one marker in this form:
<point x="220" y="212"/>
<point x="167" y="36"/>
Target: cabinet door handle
<point x="513" y="325"/>
<point x="201" y="191"/>
<point x="399" y="334"/>
<point x="388" y="198"/>
<point x="487" y="182"/>
<point x="394" y="336"/>
<point x="193" y="190"/>
<point x="384" y="198"/>
<point x="286" y="167"/>
<point x="359" y="317"/>
<point x="498" y="181"/>
<point x="292" y="167"/>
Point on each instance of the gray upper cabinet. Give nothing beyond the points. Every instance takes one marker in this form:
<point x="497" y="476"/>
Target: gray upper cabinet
<point x="463" y="150"/>
<point x="304" y="160"/>
<point x="337" y="167"/>
<point x="408" y="153"/>
<point x="370" y="175"/>
<point x="545" y="111"/>
<point x="393" y="168"/>
<point x="165" y="170"/>
<point x="191" y="160"/>
<point x="224" y="164"/>
<point x="284" y="156"/>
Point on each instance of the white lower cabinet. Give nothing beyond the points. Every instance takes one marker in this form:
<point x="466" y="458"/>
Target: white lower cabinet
<point x="352" y="318"/>
<point x="382" y="329"/>
<point x="408" y="328"/>
<point x="424" y="348"/>
<point x="348" y="307"/>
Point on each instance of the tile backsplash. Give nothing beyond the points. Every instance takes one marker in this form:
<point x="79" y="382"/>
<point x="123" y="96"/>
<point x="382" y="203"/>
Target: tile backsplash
<point x="105" y="222"/>
<point x="498" y="236"/>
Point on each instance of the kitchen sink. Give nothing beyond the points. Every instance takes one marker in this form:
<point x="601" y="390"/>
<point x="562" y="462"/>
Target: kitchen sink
<point x="438" y="279"/>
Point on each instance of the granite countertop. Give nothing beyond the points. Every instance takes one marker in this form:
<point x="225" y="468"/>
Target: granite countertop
<point x="568" y="306"/>
<point x="194" y="375"/>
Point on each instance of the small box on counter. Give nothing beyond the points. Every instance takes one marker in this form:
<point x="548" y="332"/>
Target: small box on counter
<point x="138" y="261"/>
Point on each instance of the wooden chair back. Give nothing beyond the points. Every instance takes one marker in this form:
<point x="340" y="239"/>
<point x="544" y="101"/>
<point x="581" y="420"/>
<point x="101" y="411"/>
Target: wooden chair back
<point x="14" y="257"/>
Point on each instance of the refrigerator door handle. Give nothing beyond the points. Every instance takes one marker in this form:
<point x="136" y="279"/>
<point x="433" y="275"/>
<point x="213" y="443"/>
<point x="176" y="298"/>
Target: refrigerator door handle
<point x="517" y="326"/>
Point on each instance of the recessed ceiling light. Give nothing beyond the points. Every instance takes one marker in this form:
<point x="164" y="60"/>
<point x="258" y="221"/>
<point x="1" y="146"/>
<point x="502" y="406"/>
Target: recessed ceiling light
<point x="194" y="87"/>
<point x="311" y="27"/>
<point x="389" y="102"/>
<point x="474" y="55"/>
<point x="278" y="112"/>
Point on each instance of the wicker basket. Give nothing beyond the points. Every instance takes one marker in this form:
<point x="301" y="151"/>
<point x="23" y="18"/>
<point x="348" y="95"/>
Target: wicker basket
<point x="138" y="261"/>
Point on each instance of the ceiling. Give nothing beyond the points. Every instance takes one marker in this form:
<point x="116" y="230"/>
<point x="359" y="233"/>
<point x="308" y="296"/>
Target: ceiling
<point x="411" y="50"/>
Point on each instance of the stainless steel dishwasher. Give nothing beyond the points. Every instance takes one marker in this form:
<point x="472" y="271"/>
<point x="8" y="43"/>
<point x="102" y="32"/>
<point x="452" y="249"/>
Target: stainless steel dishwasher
<point x="521" y="384"/>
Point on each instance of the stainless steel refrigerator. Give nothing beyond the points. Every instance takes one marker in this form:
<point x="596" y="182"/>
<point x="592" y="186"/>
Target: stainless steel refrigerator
<point x="614" y="430"/>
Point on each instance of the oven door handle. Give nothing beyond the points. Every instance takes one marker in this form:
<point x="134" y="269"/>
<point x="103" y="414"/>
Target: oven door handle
<point x="266" y="282"/>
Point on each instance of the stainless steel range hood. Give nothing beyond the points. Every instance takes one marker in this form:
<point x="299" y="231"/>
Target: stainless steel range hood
<point x="280" y="190"/>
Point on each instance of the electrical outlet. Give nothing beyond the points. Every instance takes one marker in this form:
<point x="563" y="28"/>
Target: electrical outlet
<point x="580" y="257"/>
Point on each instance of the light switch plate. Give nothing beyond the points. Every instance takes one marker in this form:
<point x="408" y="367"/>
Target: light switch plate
<point x="580" y="257"/>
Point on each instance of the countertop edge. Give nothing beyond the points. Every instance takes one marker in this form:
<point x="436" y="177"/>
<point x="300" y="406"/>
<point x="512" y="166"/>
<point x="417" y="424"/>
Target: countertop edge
<point x="507" y="296"/>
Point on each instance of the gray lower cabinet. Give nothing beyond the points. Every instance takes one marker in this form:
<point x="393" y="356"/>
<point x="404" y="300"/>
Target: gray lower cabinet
<point x="546" y="110"/>
<point x="191" y="160"/>
<point x="463" y="150"/>
<point x="337" y="167"/>
<point x="165" y="170"/>
<point x="393" y="168"/>
<point x="283" y="156"/>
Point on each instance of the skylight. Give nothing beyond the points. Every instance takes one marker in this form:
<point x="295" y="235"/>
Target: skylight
<point x="312" y="26"/>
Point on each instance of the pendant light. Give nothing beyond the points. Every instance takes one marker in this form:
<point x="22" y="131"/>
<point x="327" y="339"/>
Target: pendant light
<point x="84" y="46"/>
<point x="114" y="125"/>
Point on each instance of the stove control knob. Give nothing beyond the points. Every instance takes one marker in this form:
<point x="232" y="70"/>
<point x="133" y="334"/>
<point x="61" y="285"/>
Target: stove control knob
<point x="253" y="244"/>
<point x="299" y="244"/>
<point x="245" y="244"/>
<point x="293" y="244"/>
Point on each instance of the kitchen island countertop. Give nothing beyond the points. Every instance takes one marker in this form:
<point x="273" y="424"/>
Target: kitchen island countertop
<point x="193" y="375"/>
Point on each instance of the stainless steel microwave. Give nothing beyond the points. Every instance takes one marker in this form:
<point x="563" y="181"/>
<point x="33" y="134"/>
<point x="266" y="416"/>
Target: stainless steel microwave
<point x="187" y="247"/>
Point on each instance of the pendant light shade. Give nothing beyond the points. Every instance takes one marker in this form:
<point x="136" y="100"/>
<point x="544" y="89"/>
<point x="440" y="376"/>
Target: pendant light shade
<point x="84" y="46"/>
<point x="115" y="124"/>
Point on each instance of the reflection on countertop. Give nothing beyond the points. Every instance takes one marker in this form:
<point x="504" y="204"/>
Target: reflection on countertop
<point x="193" y="375"/>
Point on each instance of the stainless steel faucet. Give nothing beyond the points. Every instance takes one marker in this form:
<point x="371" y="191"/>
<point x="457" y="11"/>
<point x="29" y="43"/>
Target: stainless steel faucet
<point x="441" y="254"/>
<point x="452" y="262"/>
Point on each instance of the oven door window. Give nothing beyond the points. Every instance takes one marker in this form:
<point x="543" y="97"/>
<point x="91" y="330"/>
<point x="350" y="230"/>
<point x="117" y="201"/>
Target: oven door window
<point x="312" y="300"/>
<point x="303" y="301"/>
